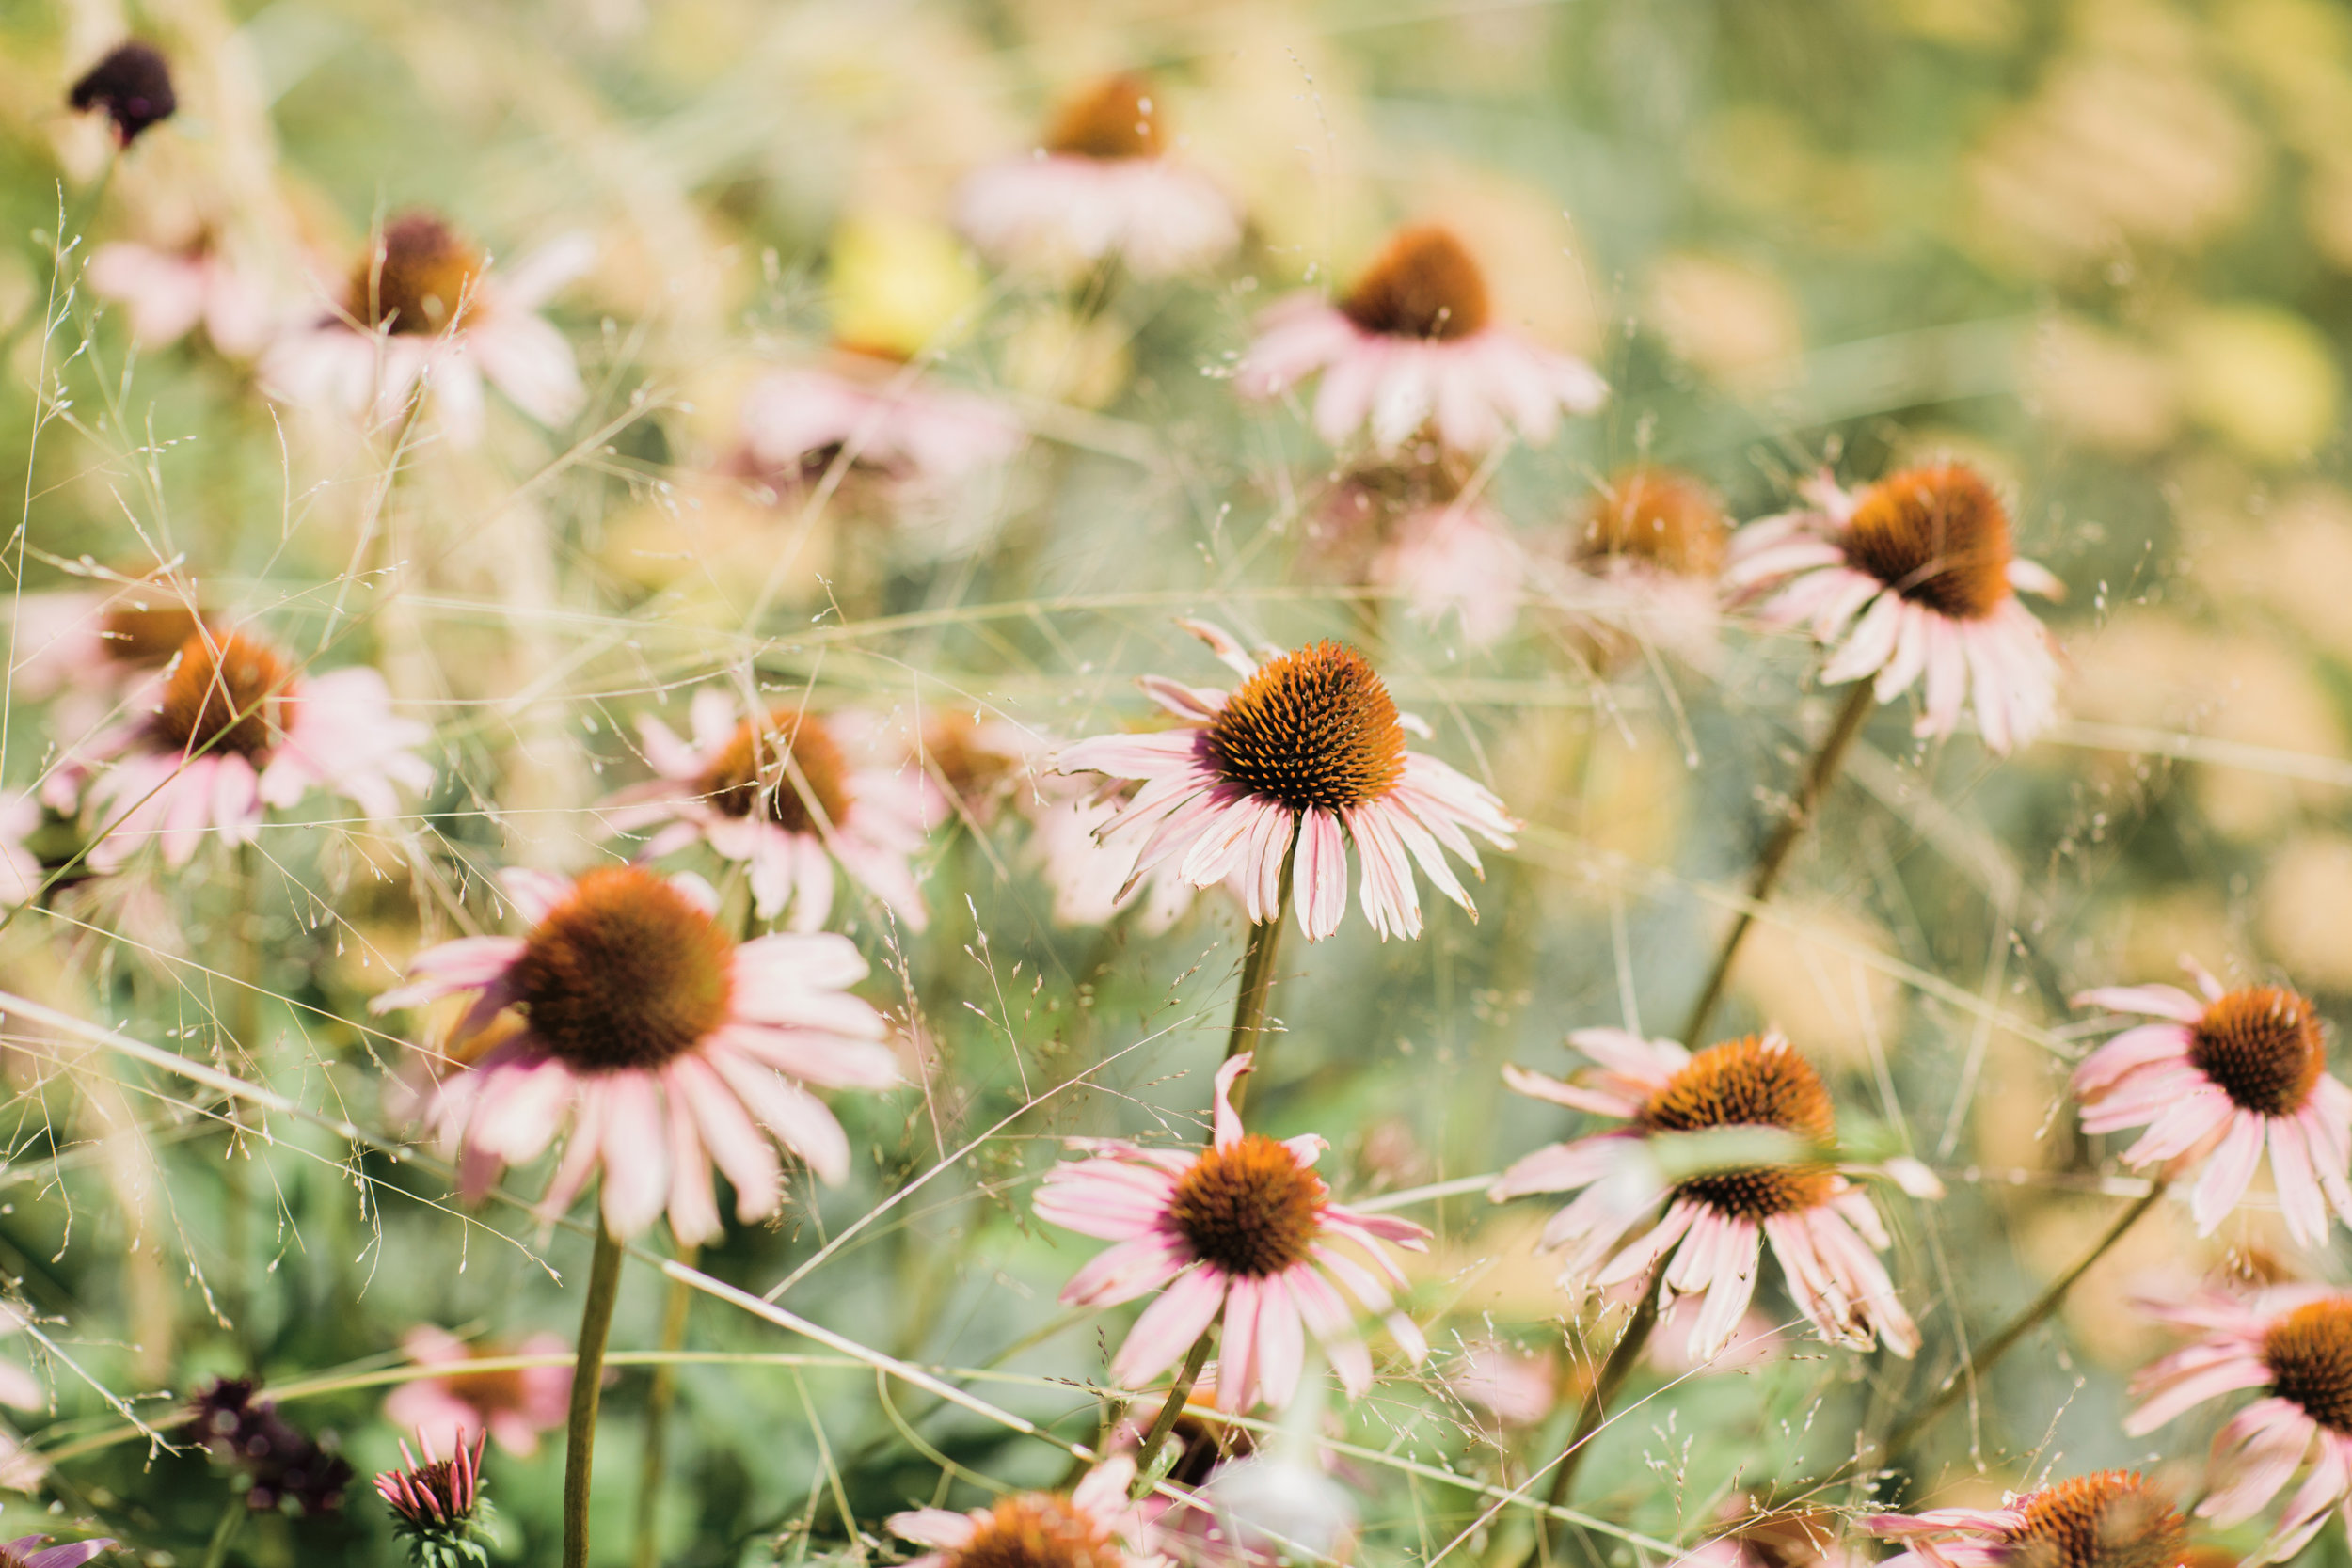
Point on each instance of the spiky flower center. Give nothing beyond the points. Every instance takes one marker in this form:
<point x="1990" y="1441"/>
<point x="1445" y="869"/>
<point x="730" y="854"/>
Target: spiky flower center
<point x="2308" y="1353"/>
<point x="231" y="694"/>
<point x="2263" y="1047"/>
<point x="1751" y="1082"/>
<point x="1249" y="1208"/>
<point x="142" y="635"/>
<point x="2110" y="1519"/>
<point x="627" y="974"/>
<point x="1315" y="728"/>
<point x="1423" y="284"/>
<point x="1039" y="1532"/>
<point x="423" y="282"/>
<point x="1657" y="516"/>
<point x="1937" y="536"/>
<point x="971" y="769"/>
<point x="133" y="84"/>
<point x="1114" y="119"/>
<point x="751" y="774"/>
<point x="487" y="1391"/>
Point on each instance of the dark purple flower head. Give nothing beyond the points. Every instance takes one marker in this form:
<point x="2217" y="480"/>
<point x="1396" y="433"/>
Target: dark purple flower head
<point x="133" y="84"/>
<point x="284" y="1464"/>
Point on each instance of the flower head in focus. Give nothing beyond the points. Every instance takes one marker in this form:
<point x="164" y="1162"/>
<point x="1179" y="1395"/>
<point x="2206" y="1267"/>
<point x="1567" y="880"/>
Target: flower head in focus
<point x="133" y="84"/>
<point x="1307" y="751"/>
<point x="423" y="311"/>
<point x="662" y="1042"/>
<point x="1102" y="187"/>
<point x="2109" y="1519"/>
<point x="513" y="1405"/>
<point x="779" y="791"/>
<point x="1913" y="577"/>
<point x="1415" y="343"/>
<point x="285" y="1467"/>
<point x="1245" y="1230"/>
<point x="2292" y="1344"/>
<point x="231" y="730"/>
<point x="437" y="1502"/>
<point x="1092" y="1525"/>
<point x="2213" y="1079"/>
<point x="1750" y="1097"/>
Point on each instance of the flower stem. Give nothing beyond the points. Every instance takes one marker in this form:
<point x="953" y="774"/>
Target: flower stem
<point x="1257" y="983"/>
<point x="658" y="1401"/>
<point x="2018" y="1327"/>
<point x="1148" y="1465"/>
<point x="1818" y="778"/>
<point x="580" y="1444"/>
<point x="1613" y="1372"/>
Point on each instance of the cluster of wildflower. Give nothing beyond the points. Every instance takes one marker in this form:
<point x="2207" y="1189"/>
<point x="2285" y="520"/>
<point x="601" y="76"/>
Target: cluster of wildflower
<point x="283" y="1468"/>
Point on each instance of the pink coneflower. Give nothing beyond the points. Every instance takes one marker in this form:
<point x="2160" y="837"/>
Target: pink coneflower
<point x="168" y="292"/>
<point x="433" y="1500"/>
<point x="26" y="1551"/>
<point x="94" y="645"/>
<point x="231" y="731"/>
<point x="1456" y="559"/>
<point x="1093" y="883"/>
<point x="1648" y="551"/>
<point x="423" y="310"/>
<point x="1093" y="1526"/>
<point x="2213" y="1081"/>
<point x="1245" y="1229"/>
<point x="1913" y="576"/>
<point x="1103" y="186"/>
<point x="890" y="426"/>
<point x="1415" y="343"/>
<point x="514" y="1407"/>
<point x="2109" y="1519"/>
<point x="1709" y="1240"/>
<point x="664" y="1044"/>
<point x="1310" y="748"/>
<point x="1517" y="1386"/>
<point x="778" y="792"/>
<point x="2294" y="1344"/>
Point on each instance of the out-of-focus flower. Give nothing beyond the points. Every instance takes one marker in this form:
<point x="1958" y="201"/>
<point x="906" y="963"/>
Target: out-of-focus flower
<point x="1914" y="576"/>
<point x="1309" y="744"/>
<point x="2262" y="378"/>
<point x="424" y="311"/>
<point x="514" y="1407"/>
<point x="1779" y="1539"/>
<point x="285" y="1466"/>
<point x="1733" y="322"/>
<point x="133" y="84"/>
<point x="234" y="730"/>
<point x="29" y="1551"/>
<point x="664" y="1044"/>
<point x="1647" y="551"/>
<point x="1457" y="559"/>
<point x="877" y="420"/>
<point x="1414" y="342"/>
<point x="91" y="646"/>
<point x="898" y="287"/>
<point x="434" y="1503"/>
<point x="778" y="792"/>
<point x="1278" y="1506"/>
<point x="2213" y="1080"/>
<point x="1093" y="881"/>
<point x="2109" y="1519"/>
<point x="1103" y="186"/>
<point x="1243" y="1229"/>
<point x="1093" y="1526"/>
<point x="168" y="292"/>
<point x="1751" y="1095"/>
<point x="2294" y="1344"/>
<point x="1516" y="1385"/>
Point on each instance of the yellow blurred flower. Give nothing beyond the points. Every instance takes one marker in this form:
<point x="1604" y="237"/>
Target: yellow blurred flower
<point x="2261" y="377"/>
<point x="900" y="286"/>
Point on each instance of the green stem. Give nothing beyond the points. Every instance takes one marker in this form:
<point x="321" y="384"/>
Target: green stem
<point x="1149" y="1467"/>
<point x="658" y="1401"/>
<point x="1818" y="778"/>
<point x="1613" y="1372"/>
<point x="2023" y="1323"/>
<point x="579" y="1446"/>
<point x="1257" y="983"/>
<point x="225" y="1534"/>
